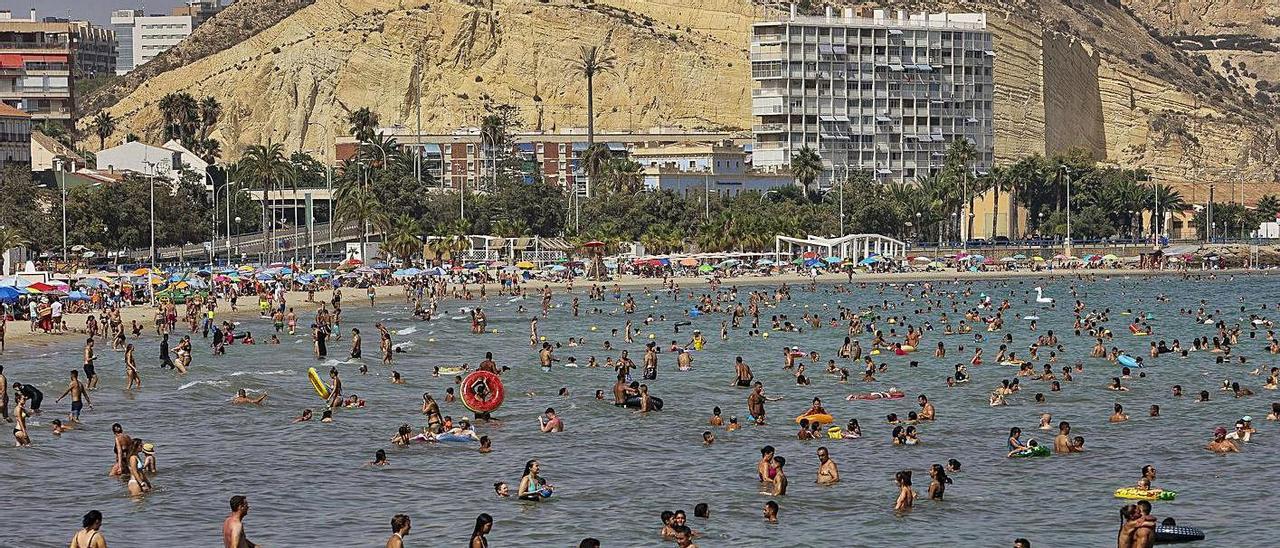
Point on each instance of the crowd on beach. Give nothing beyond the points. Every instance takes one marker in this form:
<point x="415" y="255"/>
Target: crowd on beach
<point x="912" y="318"/>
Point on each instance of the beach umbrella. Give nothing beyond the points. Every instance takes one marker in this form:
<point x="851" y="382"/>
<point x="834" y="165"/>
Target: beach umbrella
<point x="412" y="271"/>
<point x="319" y="272"/>
<point x="869" y="261"/>
<point x="688" y="261"/>
<point x="812" y="262"/>
<point x="14" y="281"/>
<point x="220" y="278"/>
<point x="1009" y="259"/>
<point x="9" y="294"/>
<point x="978" y="258"/>
<point x="91" y="283"/>
<point x="380" y="266"/>
<point x="525" y="265"/>
<point x="922" y="259"/>
<point x="764" y="262"/>
<point x="936" y="264"/>
<point x="1020" y="257"/>
<point x="1110" y="257"/>
<point x="728" y="263"/>
<point x="611" y="265"/>
<point x="498" y="264"/>
<point x="556" y="268"/>
<point x="833" y="260"/>
<point x="706" y="268"/>
<point x="247" y="268"/>
<point x="1038" y="259"/>
<point x="142" y="271"/>
<point x="809" y="255"/>
<point x="41" y="287"/>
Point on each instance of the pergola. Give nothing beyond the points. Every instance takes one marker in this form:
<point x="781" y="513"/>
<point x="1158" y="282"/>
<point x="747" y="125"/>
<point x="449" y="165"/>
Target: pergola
<point x="854" y="247"/>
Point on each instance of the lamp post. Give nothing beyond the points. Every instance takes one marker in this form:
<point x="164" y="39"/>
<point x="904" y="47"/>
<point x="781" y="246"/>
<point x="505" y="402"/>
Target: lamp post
<point x="227" y="187"/>
<point x="230" y="253"/>
<point x="62" y="183"/>
<point x="1067" y="243"/>
<point x="151" y="171"/>
<point x="213" y="238"/>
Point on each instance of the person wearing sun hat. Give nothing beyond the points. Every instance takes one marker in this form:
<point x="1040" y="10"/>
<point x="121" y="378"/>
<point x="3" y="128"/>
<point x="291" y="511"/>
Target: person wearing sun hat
<point x="1220" y="443"/>
<point x="149" y="457"/>
<point x="1248" y="426"/>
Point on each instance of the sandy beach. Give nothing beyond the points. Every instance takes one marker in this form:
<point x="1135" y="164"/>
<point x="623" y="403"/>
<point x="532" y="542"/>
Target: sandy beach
<point x="18" y="332"/>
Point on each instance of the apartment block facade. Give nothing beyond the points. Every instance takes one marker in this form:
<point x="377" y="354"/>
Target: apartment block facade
<point x="142" y="37"/>
<point x="40" y="60"/>
<point x="460" y="160"/>
<point x="872" y="93"/>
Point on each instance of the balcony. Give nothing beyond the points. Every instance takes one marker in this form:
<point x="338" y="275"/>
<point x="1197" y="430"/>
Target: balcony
<point x="768" y="128"/>
<point x="768" y="92"/>
<point x="769" y="56"/>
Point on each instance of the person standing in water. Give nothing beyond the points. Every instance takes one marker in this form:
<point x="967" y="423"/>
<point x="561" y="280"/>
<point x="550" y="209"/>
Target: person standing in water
<point x="355" y="346"/>
<point x="233" y="534"/>
<point x="90" y="536"/>
<point x="131" y="368"/>
<point x="77" y="392"/>
<point x="90" y="374"/>
<point x="399" y="529"/>
<point x="484" y="524"/>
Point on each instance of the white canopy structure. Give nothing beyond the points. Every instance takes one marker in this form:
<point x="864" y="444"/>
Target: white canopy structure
<point x="854" y="247"/>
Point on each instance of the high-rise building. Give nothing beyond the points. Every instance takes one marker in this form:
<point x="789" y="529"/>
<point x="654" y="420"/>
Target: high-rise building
<point x="200" y="10"/>
<point x="879" y="94"/>
<point x="143" y="37"/>
<point x="41" y="59"/>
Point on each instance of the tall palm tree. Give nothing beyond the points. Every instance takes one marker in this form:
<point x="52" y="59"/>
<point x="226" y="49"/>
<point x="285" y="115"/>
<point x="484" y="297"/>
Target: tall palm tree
<point x="1169" y="199"/>
<point x="593" y="60"/>
<point x="268" y="165"/>
<point x="103" y="126"/>
<point x="364" y="124"/>
<point x="806" y="166"/>
<point x="210" y="111"/>
<point x="357" y="205"/>
<point x="998" y="180"/>
<point x="1267" y="206"/>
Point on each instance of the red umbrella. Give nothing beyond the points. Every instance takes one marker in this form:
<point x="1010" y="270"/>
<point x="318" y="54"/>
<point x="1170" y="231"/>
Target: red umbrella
<point x="594" y="243"/>
<point x="809" y="255"/>
<point x="42" y="287"/>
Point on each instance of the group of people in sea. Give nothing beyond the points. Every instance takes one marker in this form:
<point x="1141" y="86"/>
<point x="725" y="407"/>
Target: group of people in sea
<point x="900" y="325"/>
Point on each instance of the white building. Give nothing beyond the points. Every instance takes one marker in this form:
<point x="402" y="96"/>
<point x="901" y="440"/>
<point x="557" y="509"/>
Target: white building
<point x="880" y="94"/>
<point x="701" y="168"/>
<point x="142" y="37"/>
<point x="167" y="161"/>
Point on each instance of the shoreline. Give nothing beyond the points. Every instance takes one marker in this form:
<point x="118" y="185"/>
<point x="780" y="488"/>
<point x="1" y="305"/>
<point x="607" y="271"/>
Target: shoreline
<point x="17" y="331"/>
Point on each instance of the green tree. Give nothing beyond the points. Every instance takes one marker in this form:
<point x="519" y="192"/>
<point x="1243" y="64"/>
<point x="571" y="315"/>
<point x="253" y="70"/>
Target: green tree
<point x="103" y="126"/>
<point x="593" y="60"/>
<point x="806" y="166"/>
<point x="1268" y="205"/>
<point x="404" y="238"/>
<point x="594" y="159"/>
<point x="364" y="124"/>
<point x="267" y="166"/>
<point x="210" y="111"/>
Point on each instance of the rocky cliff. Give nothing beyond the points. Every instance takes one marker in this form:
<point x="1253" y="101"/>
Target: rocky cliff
<point x="1104" y="76"/>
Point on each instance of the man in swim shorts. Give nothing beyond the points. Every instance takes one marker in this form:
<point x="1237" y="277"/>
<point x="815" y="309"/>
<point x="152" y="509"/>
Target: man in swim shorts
<point x="77" y="392"/>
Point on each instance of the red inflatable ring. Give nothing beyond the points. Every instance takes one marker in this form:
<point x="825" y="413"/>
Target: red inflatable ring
<point x="482" y="391"/>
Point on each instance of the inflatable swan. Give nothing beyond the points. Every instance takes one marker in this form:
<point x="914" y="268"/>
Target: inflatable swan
<point x="1040" y="298"/>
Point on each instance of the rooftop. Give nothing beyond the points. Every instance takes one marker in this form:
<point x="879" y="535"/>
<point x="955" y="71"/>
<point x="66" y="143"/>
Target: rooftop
<point x="7" y="111"/>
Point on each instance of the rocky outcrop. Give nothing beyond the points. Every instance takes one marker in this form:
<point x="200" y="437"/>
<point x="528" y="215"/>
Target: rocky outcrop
<point x="1068" y="74"/>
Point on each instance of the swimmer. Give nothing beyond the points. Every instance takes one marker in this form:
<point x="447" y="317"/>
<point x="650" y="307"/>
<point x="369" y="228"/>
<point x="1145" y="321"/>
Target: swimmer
<point x="242" y="397"/>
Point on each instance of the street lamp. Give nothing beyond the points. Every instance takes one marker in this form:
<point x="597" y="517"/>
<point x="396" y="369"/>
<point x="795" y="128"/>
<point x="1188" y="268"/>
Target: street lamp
<point x="62" y="183"/>
<point x="1067" y="243"/>
<point x="151" y="178"/>
<point x="230" y="253"/>
<point x="226" y="187"/>
<point x="328" y="184"/>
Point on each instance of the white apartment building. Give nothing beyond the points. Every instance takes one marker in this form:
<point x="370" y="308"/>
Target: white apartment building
<point x="143" y="37"/>
<point x="880" y="94"/>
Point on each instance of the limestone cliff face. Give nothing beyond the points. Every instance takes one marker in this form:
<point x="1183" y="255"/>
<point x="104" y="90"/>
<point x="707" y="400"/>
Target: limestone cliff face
<point x="1068" y="74"/>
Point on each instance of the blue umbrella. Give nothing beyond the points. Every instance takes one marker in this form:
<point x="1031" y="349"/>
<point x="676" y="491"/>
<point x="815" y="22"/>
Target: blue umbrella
<point x="833" y="259"/>
<point x="92" y="283"/>
<point x="869" y="261"/>
<point x="812" y="262"/>
<point x="77" y="296"/>
<point x="8" y="294"/>
<point x="412" y="271"/>
<point x="380" y="266"/>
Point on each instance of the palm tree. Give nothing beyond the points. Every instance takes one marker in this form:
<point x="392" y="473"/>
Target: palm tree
<point x="999" y="180"/>
<point x="268" y="165"/>
<point x="356" y="204"/>
<point x="210" y="111"/>
<point x="103" y="126"/>
<point x="364" y="124"/>
<point x="593" y="161"/>
<point x="806" y="166"/>
<point x="1166" y="198"/>
<point x="624" y="175"/>
<point x="403" y="239"/>
<point x="593" y="60"/>
<point x="181" y="114"/>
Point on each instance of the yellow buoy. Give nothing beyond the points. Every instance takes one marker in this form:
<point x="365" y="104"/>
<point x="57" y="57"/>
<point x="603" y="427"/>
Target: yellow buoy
<point x="431" y="340"/>
<point x="651" y="335"/>
<point x="593" y="328"/>
<point x="543" y="338"/>
<point x="765" y="334"/>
